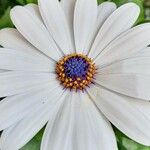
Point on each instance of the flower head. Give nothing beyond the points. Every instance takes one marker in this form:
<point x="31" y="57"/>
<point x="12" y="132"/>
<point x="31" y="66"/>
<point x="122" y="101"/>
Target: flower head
<point x="76" y="67"/>
<point x="75" y="71"/>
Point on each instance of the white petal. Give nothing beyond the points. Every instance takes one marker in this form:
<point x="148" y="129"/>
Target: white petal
<point x="78" y="126"/>
<point x="143" y="53"/>
<point x="34" y="9"/>
<point x="27" y="128"/>
<point x="34" y="31"/>
<point x="134" y="85"/>
<point x="56" y="22"/>
<point x="14" y="82"/>
<point x="135" y="65"/>
<point x="45" y="139"/>
<point x="142" y="106"/>
<point x="123" y="114"/>
<point x="68" y="7"/>
<point x="18" y="60"/>
<point x="121" y="20"/>
<point x="48" y="144"/>
<point x="1" y="70"/>
<point x="125" y="45"/>
<point x="85" y="19"/>
<point x="14" y="108"/>
<point x="4" y="134"/>
<point x="12" y="39"/>
<point x="104" y="11"/>
<point x="16" y="137"/>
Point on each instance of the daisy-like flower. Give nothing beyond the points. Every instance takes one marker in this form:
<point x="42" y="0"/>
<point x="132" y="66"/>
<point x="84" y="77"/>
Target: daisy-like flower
<point x="76" y="67"/>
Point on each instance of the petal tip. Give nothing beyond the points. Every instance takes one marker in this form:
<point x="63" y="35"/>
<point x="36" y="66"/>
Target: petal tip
<point x="112" y="4"/>
<point x="15" y="10"/>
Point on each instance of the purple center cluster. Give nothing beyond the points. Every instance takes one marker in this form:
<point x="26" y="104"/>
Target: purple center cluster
<point x="76" y="67"/>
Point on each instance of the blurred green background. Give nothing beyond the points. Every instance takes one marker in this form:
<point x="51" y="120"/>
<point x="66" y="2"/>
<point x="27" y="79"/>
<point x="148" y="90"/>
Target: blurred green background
<point x="124" y="143"/>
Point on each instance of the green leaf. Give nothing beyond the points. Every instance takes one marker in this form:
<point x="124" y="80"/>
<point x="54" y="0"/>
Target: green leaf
<point x="100" y="1"/>
<point x="23" y="2"/>
<point x="125" y="143"/>
<point x="34" y="144"/>
<point x="5" y="20"/>
<point x="3" y="6"/>
<point x="31" y="1"/>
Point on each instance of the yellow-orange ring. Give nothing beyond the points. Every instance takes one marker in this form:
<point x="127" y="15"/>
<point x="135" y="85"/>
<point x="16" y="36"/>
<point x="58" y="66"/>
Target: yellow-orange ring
<point x="78" y="83"/>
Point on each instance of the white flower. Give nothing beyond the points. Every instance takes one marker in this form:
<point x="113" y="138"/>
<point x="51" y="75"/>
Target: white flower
<point x="51" y="45"/>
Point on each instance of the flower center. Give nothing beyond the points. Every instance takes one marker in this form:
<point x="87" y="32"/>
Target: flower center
<point x="75" y="71"/>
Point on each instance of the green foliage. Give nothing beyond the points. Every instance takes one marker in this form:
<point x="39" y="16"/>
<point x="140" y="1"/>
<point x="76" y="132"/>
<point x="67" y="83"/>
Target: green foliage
<point x="125" y="143"/>
<point x="34" y="144"/>
<point x="5" y="7"/>
<point x="23" y="2"/>
<point x="5" y="20"/>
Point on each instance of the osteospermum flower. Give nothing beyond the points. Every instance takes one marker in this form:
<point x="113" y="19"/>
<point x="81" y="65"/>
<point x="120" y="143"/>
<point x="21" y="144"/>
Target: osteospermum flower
<point x="76" y="67"/>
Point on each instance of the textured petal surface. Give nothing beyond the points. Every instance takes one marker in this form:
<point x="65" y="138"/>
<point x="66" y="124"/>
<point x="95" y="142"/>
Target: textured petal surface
<point x="14" y="108"/>
<point x="78" y="125"/>
<point x="34" y="31"/>
<point x="134" y="85"/>
<point x="56" y="22"/>
<point x="121" y="20"/>
<point x="22" y="61"/>
<point x="143" y="53"/>
<point x="125" y="45"/>
<point x="10" y="38"/>
<point x="136" y="64"/>
<point x="1" y="70"/>
<point x="123" y="114"/>
<point x="68" y="7"/>
<point x="85" y="18"/>
<point x="104" y="11"/>
<point x="14" y="82"/>
<point x="142" y="106"/>
<point x="34" y="9"/>
<point x="16" y="137"/>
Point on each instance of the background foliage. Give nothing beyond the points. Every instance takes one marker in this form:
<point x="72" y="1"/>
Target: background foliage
<point x="124" y="143"/>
